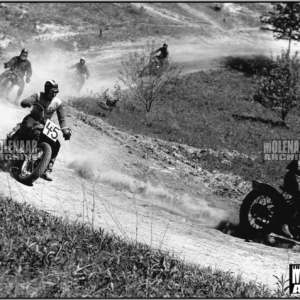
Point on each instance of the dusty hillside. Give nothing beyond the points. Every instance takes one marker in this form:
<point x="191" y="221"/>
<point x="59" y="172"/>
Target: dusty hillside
<point x="74" y="25"/>
<point x="103" y="176"/>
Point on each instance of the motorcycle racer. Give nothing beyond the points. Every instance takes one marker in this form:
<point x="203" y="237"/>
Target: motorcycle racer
<point x="82" y="72"/>
<point x="51" y="104"/>
<point x="291" y="186"/>
<point x="164" y="53"/>
<point x="23" y="65"/>
<point x="156" y="61"/>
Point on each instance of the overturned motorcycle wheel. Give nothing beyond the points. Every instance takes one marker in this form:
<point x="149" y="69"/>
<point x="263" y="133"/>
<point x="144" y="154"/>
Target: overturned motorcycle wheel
<point x="256" y="213"/>
<point x="32" y="170"/>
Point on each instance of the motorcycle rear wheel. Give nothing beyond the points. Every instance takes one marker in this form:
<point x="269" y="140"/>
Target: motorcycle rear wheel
<point x="25" y="176"/>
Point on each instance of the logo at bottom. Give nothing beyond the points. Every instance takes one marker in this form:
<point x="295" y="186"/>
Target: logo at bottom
<point x="295" y="279"/>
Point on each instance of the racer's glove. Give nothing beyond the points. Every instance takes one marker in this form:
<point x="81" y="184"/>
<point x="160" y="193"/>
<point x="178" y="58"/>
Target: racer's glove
<point x="26" y="105"/>
<point x="5" y="65"/>
<point x="27" y="80"/>
<point x="67" y="132"/>
<point x="43" y="121"/>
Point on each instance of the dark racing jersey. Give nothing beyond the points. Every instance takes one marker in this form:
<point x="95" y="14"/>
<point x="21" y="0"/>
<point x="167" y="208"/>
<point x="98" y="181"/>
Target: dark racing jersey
<point x="164" y="53"/>
<point x="55" y="105"/>
<point x="23" y="65"/>
<point x="292" y="178"/>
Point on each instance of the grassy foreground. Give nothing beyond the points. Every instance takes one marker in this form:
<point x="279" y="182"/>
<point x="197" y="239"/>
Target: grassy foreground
<point x="42" y="256"/>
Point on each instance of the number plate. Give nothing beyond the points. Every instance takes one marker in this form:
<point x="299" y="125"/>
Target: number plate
<point x="51" y="130"/>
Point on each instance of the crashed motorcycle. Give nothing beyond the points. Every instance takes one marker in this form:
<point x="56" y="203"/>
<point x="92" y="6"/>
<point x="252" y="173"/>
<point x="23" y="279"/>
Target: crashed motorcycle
<point x="263" y="205"/>
<point x="28" y="166"/>
<point x="11" y="79"/>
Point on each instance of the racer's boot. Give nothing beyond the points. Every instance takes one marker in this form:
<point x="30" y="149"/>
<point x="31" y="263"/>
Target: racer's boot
<point x="46" y="176"/>
<point x="281" y="228"/>
<point x="284" y="231"/>
<point x="47" y="172"/>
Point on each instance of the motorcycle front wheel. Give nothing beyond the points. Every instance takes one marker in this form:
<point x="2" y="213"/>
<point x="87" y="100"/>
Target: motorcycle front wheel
<point x="31" y="170"/>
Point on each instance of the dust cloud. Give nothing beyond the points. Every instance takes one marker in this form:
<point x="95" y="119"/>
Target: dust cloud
<point x="186" y="206"/>
<point x="10" y="116"/>
<point x="50" y="64"/>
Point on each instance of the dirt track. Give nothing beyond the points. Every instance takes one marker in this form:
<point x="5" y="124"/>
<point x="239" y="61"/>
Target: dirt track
<point x="170" y="212"/>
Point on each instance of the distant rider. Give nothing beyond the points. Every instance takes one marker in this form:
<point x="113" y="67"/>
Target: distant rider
<point x="51" y="105"/>
<point x="159" y="59"/>
<point x="23" y="65"/>
<point x="164" y="53"/>
<point x="82" y="72"/>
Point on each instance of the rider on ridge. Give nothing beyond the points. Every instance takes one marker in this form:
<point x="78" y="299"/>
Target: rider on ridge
<point x="164" y="53"/>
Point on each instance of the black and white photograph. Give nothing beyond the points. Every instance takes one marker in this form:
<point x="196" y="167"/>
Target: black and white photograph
<point x="149" y="149"/>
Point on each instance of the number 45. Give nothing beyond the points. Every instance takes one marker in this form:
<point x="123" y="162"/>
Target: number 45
<point x="53" y="130"/>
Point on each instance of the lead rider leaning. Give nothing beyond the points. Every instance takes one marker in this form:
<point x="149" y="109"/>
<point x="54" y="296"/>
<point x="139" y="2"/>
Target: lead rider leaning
<point x="51" y="104"/>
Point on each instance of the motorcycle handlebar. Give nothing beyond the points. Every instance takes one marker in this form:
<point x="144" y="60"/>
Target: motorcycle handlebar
<point x="41" y="106"/>
<point x="16" y="71"/>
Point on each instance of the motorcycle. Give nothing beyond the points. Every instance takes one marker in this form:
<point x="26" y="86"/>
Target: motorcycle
<point x="264" y="205"/>
<point x="77" y="82"/>
<point x="10" y="80"/>
<point x="153" y="68"/>
<point x="28" y="167"/>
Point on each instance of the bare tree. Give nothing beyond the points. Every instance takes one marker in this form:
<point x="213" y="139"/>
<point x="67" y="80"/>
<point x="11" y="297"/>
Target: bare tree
<point x="147" y="80"/>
